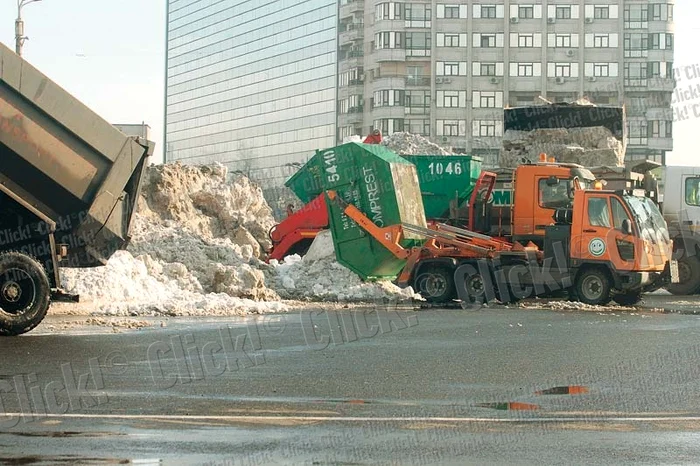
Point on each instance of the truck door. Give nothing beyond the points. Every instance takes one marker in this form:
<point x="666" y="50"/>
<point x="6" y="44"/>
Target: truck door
<point x="599" y="234"/>
<point x="689" y="216"/>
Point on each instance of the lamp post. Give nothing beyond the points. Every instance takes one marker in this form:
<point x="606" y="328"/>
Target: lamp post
<point x="19" y="26"/>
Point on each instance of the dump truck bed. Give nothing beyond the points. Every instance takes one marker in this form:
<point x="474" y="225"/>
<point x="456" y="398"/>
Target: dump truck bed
<point x="66" y="164"/>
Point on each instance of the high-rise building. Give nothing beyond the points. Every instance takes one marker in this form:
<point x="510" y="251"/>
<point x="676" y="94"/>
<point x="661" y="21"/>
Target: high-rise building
<point x="445" y="70"/>
<point x="260" y="85"/>
<point x="250" y="84"/>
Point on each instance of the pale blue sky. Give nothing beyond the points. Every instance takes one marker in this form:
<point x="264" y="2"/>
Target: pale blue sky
<point x="110" y="54"/>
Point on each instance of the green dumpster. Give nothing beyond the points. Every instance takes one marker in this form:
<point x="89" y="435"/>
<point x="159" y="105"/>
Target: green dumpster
<point x="445" y="179"/>
<point x="442" y="179"/>
<point x="385" y="188"/>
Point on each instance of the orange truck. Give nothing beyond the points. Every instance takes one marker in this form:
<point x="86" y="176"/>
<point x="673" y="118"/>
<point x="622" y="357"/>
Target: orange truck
<point x="596" y="244"/>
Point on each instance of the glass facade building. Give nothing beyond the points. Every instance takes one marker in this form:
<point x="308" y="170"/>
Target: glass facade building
<point x="250" y="83"/>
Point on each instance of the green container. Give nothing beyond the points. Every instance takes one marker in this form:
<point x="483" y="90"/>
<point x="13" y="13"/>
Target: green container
<point x="385" y="188"/>
<point x="306" y="182"/>
<point x="445" y="179"/>
<point x="442" y="179"/>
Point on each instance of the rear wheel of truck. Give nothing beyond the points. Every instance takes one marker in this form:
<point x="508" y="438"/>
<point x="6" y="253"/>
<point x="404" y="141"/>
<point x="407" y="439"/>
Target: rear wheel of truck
<point x="435" y="284"/>
<point x="689" y="276"/>
<point x="24" y="293"/>
<point x="628" y="299"/>
<point x="475" y="286"/>
<point x="593" y="287"/>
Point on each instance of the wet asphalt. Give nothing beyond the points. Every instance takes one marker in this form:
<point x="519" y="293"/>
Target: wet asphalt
<point x="371" y="386"/>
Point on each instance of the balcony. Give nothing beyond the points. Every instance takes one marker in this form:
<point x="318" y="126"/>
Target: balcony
<point x="381" y="55"/>
<point x="354" y="32"/>
<point x="348" y="8"/>
<point x="418" y="81"/>
<point x="658" y="83"/>
<point x="665" y="144"/>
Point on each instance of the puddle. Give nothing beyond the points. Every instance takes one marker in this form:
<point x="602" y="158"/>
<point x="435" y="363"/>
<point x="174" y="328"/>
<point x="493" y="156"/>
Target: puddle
<point x="508" y="406"/>
<point x="564" y="390"/>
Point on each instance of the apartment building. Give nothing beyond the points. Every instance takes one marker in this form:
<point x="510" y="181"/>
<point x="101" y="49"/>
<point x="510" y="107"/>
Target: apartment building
<point x="445" y="70"/>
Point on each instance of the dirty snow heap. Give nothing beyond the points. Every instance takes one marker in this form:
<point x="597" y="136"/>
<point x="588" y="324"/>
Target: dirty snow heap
<point x="412" y="144"/>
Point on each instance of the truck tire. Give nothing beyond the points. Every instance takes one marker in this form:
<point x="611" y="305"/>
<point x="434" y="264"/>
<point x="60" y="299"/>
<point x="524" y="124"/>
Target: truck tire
<point x="689" y="274"/>
<point x="593" y="287"/>
<point x="628" y="299"/>
<point x="25" y="293"/>
<point x="435" y="284"/>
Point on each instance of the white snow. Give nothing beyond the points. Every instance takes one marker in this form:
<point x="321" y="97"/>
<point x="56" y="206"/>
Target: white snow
<point x="197" y="239"/>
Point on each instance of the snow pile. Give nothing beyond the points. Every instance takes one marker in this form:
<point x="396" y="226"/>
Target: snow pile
<point x="412" y="144"/>
<point x="144" y="286"/>
<point x="319" y="277"/>
<point x="196" y="244"/>
<point x="573" y="306"/>
<point x="590" y="147"/>
<point x="208" y="203"/>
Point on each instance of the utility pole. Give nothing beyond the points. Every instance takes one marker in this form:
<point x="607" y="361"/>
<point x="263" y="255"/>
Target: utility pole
<point x="19" y="26"/>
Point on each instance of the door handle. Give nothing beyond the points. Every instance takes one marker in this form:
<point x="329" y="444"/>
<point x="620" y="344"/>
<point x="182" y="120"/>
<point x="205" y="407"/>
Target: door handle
<point x="590" y="231"/>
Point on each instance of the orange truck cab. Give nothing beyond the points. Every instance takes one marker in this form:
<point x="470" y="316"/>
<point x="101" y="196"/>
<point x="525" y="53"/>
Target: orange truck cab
<point x="539" y="190"/>
<point x="619" y="245"/>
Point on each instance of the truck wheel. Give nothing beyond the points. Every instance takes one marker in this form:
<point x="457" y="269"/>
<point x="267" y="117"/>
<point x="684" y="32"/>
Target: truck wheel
<point x="436" y="285"/>
<point x="593" y="287"/>
<point x="628" y="299"/>
<point x="476" y="288"/>
<point x="24" y="293"/>
<point x="689" y="275"/>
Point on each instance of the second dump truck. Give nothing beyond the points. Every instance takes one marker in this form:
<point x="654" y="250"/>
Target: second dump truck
<point x="69" y="182"/>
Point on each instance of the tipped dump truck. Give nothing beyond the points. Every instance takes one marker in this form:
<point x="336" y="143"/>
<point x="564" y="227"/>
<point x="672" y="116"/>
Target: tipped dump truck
<point x="69" y="182"/>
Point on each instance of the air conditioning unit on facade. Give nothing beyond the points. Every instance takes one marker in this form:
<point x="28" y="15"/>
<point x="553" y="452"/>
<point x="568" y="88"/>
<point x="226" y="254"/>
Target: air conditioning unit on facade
<point x="592" y="79"/>
<point x="446" y="80"/>
<point x="551" y="20"/>
<point x="493" y="80"/>
<point x="559" y="80"/>
<point x="589" y="20"/>
<point x="438" y="80"/>
<point x="514" y="19"/>
<point x="569" y="53"/>
<point x="445" y="139"/>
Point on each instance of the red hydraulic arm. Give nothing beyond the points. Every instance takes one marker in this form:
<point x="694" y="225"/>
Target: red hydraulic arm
<point x="302" y="225"/>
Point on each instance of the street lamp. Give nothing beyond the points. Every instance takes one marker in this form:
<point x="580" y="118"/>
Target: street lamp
<point x="19" y="26"/>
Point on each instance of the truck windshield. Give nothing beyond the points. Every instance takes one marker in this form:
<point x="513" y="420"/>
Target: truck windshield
<point x="585" y="177"/>
<point x="651" y="223"/>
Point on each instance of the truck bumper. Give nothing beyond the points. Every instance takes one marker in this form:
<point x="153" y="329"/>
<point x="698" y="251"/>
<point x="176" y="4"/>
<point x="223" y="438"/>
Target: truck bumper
<point x="638" y="280"/>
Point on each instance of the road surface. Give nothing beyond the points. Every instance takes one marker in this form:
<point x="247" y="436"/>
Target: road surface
<point x="369" y="386"/>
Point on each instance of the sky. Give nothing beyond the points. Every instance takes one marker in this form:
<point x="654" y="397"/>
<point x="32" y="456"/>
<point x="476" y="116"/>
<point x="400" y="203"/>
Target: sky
<point x="111" y="56"/>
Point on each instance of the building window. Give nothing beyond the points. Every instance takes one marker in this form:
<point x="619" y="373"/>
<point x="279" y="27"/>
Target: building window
<point x="601" y="12"/>
<point x="526" y="12"/>
<point x="636" y="45"/>
<point x="488" y="40"/>
<point x="563" y="40"/>
<point x="418" y="102"/>
<point x="421" y="127"/>
<point x="563" y="12"/>
<point x="388" y="40"/>
<point x="389" y="98"/>
<point x="417" y="12"/>
<point x="451" y="12"/>
<point x="669" y="41"/>
<point x="526" y="40"/>
<point x="601" y="70"/>
<point x="389" y="125"/>
<point x="451" y="127"/>
<point x="637" y="133"/>
<point x="636" y="16"/>
<point x="451" y="40"/>
<point x="451" y="69"/>
<point x="488" y="69"/>
<point x="636" y="74"/>
<point x="384" y="11"/>
<point x="487" y="128"/>
<point x="601" y="40"/>
<point x="562" y="70"/>
<point x="418" y="44"/>
<point x="526" y="69"/>
<point x="452" y="99"/>
<point x="488" y="11"/>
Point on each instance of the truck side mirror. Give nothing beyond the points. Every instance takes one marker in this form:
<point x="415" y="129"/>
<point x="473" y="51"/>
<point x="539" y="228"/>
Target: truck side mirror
<point x="627" y="226"/>
<point x="552" y="181"/>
